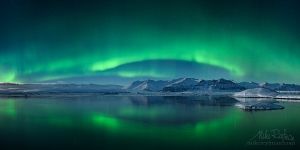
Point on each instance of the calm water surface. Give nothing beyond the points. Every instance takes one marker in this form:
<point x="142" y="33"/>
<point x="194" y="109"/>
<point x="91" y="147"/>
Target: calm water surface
<point x="138" y="122"/>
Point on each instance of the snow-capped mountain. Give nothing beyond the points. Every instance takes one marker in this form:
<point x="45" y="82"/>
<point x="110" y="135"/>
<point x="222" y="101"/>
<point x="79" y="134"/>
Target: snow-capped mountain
<point x="218" y="85"/>
<point x="288" y="87"/>
<point x="148" y="85"/>
<point x="272" y="86"/>
<point x="176" y="85"/>
<point x="185" y="84"/>
<point x="281" y="87"/>
<point x="181" y="84"/>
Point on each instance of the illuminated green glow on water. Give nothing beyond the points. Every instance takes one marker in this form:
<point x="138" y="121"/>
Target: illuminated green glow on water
<point x="8" y="107"/>
<point x="136" y="122"/>
<point x="106" y="121"/>
<point x="203" y="128"/>
<point x="60" y="121"/>
<point x="140" y="112"/>
<point x="190" y="131"/>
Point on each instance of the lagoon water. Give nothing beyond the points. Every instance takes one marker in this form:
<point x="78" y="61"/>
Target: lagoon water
<point x="140" y="122"/>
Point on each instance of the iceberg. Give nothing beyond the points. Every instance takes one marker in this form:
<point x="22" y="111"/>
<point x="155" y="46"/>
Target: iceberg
<point x="257" y="93"/>
<point x="257" y="104"/>
<point x="288" y="96"/>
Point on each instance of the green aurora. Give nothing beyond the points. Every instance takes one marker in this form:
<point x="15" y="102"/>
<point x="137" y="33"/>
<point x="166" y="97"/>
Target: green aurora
<point x="54" y="40"/>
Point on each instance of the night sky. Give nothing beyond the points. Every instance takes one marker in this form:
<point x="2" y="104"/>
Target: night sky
<point x="119" y="40"/>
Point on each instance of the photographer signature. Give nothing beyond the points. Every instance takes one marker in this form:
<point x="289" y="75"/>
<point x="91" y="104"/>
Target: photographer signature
<point x="274" y="134"/>
<point x="272" y="137"/>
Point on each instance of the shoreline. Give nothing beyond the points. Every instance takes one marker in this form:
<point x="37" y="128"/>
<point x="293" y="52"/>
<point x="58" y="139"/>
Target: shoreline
<point x="283" y="98"/>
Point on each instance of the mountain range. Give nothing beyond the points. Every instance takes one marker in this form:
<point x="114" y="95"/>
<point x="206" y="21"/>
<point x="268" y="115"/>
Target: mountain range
<point x="164" y="86"/>
<point x="192" y="84"/>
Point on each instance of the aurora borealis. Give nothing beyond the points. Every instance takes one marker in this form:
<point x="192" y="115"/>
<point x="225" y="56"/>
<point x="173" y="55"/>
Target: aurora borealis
<point x="253" y="40"/>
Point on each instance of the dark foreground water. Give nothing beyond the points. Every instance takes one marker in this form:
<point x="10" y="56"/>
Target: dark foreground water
<point x="137" y="122"/>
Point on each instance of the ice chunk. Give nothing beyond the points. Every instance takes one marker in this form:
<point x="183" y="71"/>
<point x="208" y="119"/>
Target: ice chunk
<point x="257" y="92"/>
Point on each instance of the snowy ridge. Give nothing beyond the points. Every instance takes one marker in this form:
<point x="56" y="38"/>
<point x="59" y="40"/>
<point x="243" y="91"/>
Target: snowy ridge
<point x="184" y="85"/>
<point x="281" y="87"/>
<point x="183" y="81"/>
<point x="148" y="85"/>
<point x="208" y="86"/>
<point x="180" y="85"/>
<point x="272" y="86"/>
<point x="218" y="85"/>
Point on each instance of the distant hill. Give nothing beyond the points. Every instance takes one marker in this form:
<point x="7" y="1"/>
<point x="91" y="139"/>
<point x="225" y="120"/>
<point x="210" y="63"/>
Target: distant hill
<point x="58" y="88"/>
